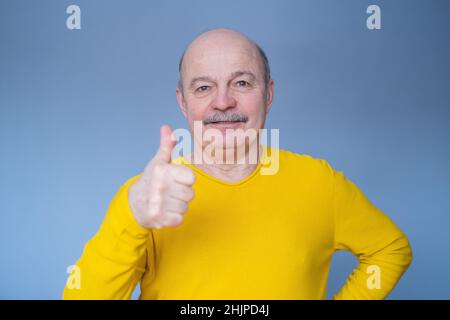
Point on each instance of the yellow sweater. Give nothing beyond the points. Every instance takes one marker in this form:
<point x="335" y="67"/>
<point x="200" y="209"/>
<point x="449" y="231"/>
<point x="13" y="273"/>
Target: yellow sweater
<point x="265" y="237"/>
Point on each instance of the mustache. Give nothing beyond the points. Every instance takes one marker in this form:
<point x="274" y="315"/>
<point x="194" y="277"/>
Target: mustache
<point x="225" y="117"/>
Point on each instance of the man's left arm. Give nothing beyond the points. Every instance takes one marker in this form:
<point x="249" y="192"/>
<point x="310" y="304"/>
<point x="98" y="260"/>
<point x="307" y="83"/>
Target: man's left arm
<point x="383" y="251"/>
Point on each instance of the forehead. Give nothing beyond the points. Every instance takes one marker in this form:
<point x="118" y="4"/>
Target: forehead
<point x="219" y="60"/>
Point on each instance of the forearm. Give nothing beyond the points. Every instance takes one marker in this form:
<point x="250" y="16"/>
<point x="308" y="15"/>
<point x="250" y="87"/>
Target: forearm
<point x="114" y="260"/>
<point x="383" y="250"/>
<point x="378" y="273"/>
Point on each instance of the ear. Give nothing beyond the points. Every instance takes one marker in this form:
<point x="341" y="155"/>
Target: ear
<point x="181" y="102"/>
<point x="269" y="95"/>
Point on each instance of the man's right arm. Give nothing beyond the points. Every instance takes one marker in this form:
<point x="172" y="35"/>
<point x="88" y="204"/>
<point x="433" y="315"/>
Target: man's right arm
<point x="114" y="260"/>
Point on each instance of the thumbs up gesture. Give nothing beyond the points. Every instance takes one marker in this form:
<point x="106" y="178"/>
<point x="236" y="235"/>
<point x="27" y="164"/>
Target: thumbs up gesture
<point x="161" y="195"/>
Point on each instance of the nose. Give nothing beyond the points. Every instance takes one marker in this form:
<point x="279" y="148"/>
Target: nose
<point x="223" y="100"/>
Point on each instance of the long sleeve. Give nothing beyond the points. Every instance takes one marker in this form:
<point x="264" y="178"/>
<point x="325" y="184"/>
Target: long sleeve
<point x="114" y="260"/>
<point x="383" y="251"/>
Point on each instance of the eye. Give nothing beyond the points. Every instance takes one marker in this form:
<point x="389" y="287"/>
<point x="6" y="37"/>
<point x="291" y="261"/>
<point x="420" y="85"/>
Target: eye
<point x="242" y="83"/>
<point x="202" y="88"/>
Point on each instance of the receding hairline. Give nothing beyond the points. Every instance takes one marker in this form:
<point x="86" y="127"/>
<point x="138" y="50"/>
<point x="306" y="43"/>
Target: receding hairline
<point x="261" y="53"/>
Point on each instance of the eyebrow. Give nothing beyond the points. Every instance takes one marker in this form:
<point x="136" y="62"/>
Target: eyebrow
<point x="232" y="76"/>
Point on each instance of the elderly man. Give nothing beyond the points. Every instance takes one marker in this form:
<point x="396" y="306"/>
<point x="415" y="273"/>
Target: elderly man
<point x="244" y="235"/>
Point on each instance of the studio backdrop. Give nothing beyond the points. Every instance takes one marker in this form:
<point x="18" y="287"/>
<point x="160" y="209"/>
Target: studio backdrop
<point x="86" y="85"/>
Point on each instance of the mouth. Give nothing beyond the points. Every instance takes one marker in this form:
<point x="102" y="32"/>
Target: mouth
<point x="225" y="124"/>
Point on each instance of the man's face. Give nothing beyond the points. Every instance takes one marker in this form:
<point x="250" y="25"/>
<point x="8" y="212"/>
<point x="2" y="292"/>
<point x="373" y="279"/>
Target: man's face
<point x="223" y="87"/>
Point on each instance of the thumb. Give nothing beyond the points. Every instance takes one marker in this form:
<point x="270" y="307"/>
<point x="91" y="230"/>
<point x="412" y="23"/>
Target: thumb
<point x="166" y="144"/>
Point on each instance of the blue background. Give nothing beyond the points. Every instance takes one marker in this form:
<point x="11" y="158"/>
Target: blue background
<point x="80" y="113"/>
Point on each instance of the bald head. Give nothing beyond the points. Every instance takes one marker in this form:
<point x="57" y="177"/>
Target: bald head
<point x="222" y="42"/>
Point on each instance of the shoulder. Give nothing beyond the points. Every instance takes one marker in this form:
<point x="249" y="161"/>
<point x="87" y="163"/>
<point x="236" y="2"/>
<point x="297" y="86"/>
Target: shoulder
<point x="292" y="161"/>
<point x="304" y="172"/>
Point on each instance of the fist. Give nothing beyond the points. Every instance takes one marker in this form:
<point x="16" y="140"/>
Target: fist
<point x="160" y="197"/>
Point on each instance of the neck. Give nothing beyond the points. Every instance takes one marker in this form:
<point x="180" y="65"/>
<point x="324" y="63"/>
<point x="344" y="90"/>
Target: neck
<point x="233" y="172"/>
<point x="228" y="172"/>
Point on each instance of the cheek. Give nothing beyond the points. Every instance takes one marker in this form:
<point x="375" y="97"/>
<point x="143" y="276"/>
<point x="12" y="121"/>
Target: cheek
<point x="195" y="110"/>
<point x="252" y="105"/>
